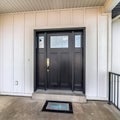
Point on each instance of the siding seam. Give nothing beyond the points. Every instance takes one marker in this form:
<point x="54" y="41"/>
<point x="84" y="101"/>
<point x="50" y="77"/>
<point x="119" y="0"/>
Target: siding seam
<point x="24" y="52"/>
<point x="98" y="21"/>
<point x="13" y="54"/>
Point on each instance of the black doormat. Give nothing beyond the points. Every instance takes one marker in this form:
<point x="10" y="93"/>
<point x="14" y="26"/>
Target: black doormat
<point x="58" y="106"/>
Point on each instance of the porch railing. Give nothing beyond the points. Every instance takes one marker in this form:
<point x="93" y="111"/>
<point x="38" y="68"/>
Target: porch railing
<point x="114" y="89"/>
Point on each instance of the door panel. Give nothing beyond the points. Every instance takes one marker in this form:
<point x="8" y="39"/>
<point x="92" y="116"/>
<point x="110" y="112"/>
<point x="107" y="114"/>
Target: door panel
<point x="41" y="72"/>
<point x="77" y="71"/>
<point x="53" y="71"/>
<point x="65" y="71"/>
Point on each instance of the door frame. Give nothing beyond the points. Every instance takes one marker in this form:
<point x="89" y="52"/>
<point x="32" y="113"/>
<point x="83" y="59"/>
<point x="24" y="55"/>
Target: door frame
<point x="78" y="29"/>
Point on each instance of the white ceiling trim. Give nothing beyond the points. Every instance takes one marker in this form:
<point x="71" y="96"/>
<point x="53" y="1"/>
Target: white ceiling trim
<point x="11" y="6"/>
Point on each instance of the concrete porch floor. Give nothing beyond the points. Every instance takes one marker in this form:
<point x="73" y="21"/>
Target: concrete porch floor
<point x="24" y="108"/>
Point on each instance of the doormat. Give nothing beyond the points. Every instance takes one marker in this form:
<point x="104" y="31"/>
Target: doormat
<point x="58" y="106"/>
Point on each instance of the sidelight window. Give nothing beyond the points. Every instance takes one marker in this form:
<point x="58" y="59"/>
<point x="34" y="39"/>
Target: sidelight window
<point x="41" y="41"/>
<point x="77" y="41"/>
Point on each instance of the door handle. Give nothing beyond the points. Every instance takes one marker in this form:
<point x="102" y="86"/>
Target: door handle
<point x="48" y="64"/>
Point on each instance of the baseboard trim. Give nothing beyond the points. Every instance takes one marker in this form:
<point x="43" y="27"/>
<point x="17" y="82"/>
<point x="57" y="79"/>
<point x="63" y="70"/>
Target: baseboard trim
<point x="96" y="98"/>
<point x="17" y="94"/>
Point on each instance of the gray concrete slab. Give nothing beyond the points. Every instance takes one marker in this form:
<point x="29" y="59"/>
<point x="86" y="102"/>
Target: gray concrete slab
<point x="24" y="108"/>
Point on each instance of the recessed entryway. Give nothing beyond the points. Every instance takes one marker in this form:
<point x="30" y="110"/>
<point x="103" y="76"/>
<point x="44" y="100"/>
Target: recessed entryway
<point x="60" y="59"/>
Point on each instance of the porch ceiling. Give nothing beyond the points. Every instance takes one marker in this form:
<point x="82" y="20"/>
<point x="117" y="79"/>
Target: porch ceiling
<point x="7" y="6"/>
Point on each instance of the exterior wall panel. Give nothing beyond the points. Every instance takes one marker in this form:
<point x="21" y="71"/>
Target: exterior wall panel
<point x="65" y="17"/>
<point x="53" y="18"/>
<point x="41" y="19"/>
<point x="102" y="57"/>
<point x="29" y="24"/>
<point x="19" y="53"/>
<point x="0" y="55"/>
<point x="78" y="17"/>
<point x="91" y="51"/>
<point x="7" y="53"/>
<point x="116" y="55"/>
<point x="24" y="25"/>
<point x="116" y="46"/>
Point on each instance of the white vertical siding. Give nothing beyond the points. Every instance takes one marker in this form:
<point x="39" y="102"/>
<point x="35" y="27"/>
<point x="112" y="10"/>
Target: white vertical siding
<point x="116" y="55"/>
<point x="116" y="47"/>
<point x="102" y="56"/>
<point x="19" y="50"/>
<point x="0" y="54"/>
<point x="7" y="56"/>
<point x="29" y="24"/>
<point x="20" y="27"/>
<point x="78" y="17"/>
<point x="53" y="18"/>
<point x="65" y="17"/>
<point x="41" y="19"/>
<point x="91" y="51"/>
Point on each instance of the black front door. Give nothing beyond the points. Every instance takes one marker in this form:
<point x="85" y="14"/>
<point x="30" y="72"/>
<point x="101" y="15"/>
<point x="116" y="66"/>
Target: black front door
<point x="59" y="55"/>
<point x="59" y="60"/>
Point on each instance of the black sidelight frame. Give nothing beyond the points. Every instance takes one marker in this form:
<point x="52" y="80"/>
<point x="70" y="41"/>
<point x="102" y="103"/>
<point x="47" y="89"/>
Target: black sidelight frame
<point x="45" y="31"/>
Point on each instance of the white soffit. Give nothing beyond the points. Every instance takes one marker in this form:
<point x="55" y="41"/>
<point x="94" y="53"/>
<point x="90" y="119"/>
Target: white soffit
<point x="8" y="6"/>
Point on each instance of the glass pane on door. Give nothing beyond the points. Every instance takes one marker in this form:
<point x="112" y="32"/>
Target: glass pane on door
<point x="77" y="41"/>
<point x="41" y="41"/>
<point x="59" y="41"/>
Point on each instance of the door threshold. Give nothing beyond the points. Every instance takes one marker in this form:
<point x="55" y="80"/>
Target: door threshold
<point x="60" y="92"/>
<point x="59" y="95"/>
